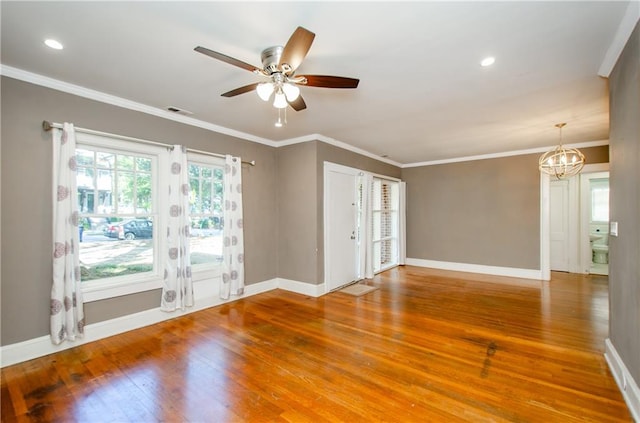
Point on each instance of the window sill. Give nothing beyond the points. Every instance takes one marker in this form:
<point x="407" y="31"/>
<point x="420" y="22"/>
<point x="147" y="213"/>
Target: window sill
<point x="105" y="289"/>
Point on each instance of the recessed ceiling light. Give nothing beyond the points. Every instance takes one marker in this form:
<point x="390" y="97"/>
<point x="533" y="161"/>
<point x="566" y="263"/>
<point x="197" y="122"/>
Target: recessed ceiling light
<point x="53" y="44"/>
<point x="488" y="61"/>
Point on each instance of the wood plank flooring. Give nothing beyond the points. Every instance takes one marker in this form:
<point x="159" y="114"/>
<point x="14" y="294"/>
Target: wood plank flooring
<point x="427" y="346"/>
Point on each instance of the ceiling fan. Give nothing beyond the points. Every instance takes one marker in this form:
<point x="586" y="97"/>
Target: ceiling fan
<point x="279" y="67"/>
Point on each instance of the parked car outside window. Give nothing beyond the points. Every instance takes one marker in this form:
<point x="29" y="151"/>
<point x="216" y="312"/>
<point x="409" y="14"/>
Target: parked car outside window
<point x="130" y="229"/>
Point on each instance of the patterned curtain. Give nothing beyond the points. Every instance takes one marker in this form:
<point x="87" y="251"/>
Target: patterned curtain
<point x="233" y="234"/>
<point x="177" y="290"/>
<point x="67" y="314"/>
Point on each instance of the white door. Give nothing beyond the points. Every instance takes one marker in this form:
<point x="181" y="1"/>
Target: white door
<point x="559" y="225"/>
<point x="341" y="259"/>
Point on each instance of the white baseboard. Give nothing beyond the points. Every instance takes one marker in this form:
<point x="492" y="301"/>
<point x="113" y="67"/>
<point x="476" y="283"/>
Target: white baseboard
<point x="625" y="381"/>
<point x="301" y="287"/>
<point x="206" y="295"/>
<point x="477" y="268"/>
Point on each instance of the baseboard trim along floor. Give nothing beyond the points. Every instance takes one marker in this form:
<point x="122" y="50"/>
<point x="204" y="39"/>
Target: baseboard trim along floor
<point x="204" y="298"/>
<point x="625" y="381"/>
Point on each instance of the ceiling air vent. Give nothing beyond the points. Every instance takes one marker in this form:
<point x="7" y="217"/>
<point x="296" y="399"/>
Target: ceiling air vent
<point x="179" y="111"/>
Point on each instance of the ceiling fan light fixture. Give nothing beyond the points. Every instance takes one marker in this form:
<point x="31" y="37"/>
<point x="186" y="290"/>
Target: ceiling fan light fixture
<point x="291" y="91"/>
<point x="265" y="90"/>
<point x="280" y="100"/>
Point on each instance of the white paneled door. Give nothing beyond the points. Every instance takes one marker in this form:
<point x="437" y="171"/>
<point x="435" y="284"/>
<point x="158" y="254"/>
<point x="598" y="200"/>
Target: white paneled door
<point x="559" y="225"/>
<point x="341" y="224"/>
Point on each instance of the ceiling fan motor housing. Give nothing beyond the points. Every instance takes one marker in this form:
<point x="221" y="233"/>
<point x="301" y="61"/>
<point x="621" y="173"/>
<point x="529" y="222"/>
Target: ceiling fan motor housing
<point x="271" y="58"/>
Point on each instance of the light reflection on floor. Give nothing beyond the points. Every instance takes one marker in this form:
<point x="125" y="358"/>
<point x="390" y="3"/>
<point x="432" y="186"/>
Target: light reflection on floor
<point x="138" y="388"/>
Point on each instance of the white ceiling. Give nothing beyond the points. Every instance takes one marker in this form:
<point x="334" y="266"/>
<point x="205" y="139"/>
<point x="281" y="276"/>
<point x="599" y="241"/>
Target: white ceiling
<point x="422" y="94"/>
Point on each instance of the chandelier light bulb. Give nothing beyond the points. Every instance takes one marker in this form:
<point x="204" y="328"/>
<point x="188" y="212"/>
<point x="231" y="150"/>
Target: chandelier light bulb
<point x="280" y="101"/>
<point x="265" y="90"/>
<point x="291" y="91"/>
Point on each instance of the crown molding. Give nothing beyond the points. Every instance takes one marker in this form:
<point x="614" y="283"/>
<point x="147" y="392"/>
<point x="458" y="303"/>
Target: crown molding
<point x="505" y="154"/>
<point x="626" y="27"/>
<point x="66" y="87"/>
<point x="336" y="143"/>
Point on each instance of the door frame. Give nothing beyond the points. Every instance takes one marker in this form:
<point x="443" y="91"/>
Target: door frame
<point x="585" y="217"/>
<point x="565" y="210"/>
<point x="545" y="239"/>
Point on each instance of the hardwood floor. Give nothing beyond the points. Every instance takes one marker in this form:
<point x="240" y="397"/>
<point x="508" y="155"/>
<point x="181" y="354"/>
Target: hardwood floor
<point x="427" y="346"/>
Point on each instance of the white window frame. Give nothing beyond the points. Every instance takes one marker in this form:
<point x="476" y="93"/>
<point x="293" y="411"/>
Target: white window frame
<point x="104" y="288"/>
<point x="215" y="270"/>
<point x="394" y="212"/>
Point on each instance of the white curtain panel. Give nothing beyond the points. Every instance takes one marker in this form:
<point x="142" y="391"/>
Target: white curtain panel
<point x="67" y="314"/>
<point x="233" y="232"/>
<point x="177" y="290"/>
<point x="366" y="227"/>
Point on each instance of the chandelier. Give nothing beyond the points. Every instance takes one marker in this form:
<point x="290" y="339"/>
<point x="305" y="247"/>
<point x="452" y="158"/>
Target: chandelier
<point x="561" y="162"/>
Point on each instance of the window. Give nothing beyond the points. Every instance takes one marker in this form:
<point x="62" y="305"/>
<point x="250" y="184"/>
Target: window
<point x="116" y="200"/>
<point x="205" y="201"/>
<point x="599" y="200"/>
<point x="122" y="210"/>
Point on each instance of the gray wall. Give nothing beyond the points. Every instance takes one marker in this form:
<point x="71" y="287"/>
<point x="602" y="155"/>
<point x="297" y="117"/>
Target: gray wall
<point x="297" y="212"/>
<point x="283" y="204"/>
<point x="624" y="177"/>
<point x="301" y="204"/>
<point x="283" y="191"/>
<point x="484" y="212"/>
<point x="26" y="199"/>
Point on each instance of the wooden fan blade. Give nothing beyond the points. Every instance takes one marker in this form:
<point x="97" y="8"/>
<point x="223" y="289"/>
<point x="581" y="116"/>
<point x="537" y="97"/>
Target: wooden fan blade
<point x="296" y="50"/>
<point x="228" y="59"/>
<point x="325" y="81"/>
<point x="298" y="104"/>
<point x="240" y="90"/>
